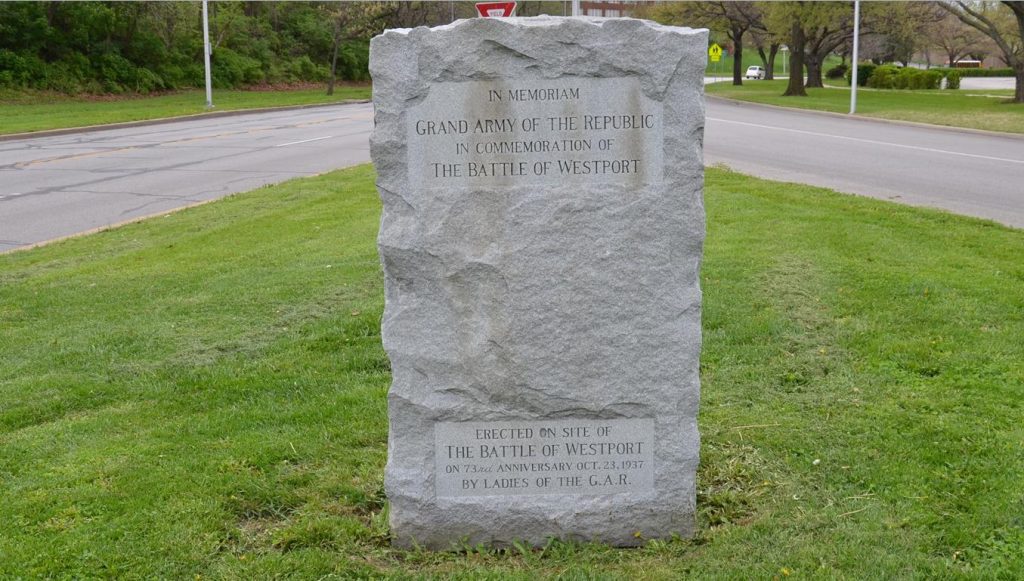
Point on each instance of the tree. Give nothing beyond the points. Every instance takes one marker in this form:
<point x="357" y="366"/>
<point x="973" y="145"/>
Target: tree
<point x="1004" y="24"/>
<point x="735" y="18"/>
<point x="797" y="45"/>
<point x="785" y="19"/>
<point x="767" y="45"/>
<point x="896" y="30"/>
<point x="827" y="25"/>
<point x="953" y="37"/>
<point x="351" y="21"/>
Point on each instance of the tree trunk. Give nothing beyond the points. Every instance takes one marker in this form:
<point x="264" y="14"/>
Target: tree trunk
<point x="768" y="60"/>
<point x="814" y="72"/>
<point x="1018" y="62"/>
<point x="769" y="69"/>
<point x="737" y="57"/>
<point x="1018" y="94"/>
<point x="795" y="87"/>
<point x="334" y="65"/>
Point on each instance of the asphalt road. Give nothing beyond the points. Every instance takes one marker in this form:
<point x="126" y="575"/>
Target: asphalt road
<point x="57" y="186"/>
<point x="971" y="173"/>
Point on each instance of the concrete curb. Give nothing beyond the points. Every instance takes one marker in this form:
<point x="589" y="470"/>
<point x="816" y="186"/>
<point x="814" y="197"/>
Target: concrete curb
<point x="163" y="120"/>
<point x="863" y="119"/>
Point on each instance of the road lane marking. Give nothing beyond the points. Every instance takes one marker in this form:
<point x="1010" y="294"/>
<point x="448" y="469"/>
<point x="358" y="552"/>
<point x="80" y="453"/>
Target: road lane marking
<point x="870" y="141"/>
<point x="76" y="156"/>
<point x="303" y="141"/>
<point x="71" y="157"/>
<point x="14" y="195"/>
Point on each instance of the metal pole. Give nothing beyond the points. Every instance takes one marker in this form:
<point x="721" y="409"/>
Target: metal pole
<point x="856" y="44"/>
<point x="575" y="7"/>
<point x="206" y="56"/>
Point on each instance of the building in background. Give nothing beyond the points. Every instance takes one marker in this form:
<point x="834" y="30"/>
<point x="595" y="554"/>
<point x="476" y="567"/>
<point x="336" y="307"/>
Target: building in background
<point x="611" y="8"/>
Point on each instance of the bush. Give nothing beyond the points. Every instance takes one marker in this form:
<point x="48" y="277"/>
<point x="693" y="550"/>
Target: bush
<point x="837" y="72"/>
<point x="892" y="77"/>
<point x="67" y="75"/>
<point x="953" y="79"/>
<point x="354" y="61"/>
<point x="926" y="79"/>
<point x="864" y="72"/>
<point x="978" y="72"/>
<point x="105" y="47"/>
<point x="17" y="70"/>
<point x="304" y="69"/>
<point x="883" y="77"/>
<point x="229" y="69"/>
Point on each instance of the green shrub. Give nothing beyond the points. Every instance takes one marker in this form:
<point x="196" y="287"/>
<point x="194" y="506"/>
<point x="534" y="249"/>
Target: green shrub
<point x="109" y="47"/>
<point x="837" y="72"/>
<point x="892" y="77"/>
<point x="146" y="81"/>
<point x="20" y="70"/>
<point x="65" y="76"/>
<point x="864" y="72"/>
<point x="883" y="77"/>
<point x="922" y="79"/>
<point x="304" y="69"/>
<point x="229" y="69"/>
<point x="979" y="72"/>
<point x="952" y="79"/>
<point x="354" y="61"/>
<point x="115" y="72"/>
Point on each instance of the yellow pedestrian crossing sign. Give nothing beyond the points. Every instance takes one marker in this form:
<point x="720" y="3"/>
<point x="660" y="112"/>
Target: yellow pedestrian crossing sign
<point x="715" y="53"/>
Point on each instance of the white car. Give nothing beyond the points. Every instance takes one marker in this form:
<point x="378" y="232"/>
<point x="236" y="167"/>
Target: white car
<point x="754" y="72"/>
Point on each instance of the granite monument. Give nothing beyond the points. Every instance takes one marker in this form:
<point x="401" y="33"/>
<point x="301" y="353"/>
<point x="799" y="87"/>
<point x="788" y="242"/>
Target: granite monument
<point x="541" y="242"/>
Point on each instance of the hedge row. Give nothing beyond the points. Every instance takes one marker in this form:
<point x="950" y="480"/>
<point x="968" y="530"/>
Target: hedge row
<point x="112" y="73"/>
<point x="118" y="47"/>
<point x="978" y="72"/>
<point x="893" y="77"/>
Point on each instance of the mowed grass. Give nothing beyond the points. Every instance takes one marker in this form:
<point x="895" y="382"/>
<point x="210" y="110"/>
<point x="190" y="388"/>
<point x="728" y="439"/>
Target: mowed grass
<point x="23" y="112"/>
<point x="203" y="396"/>
<point x="973" y="109"/>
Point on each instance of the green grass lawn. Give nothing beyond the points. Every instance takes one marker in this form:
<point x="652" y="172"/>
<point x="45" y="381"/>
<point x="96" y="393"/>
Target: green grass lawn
<point x="202" y="395"/>
<point x="989" y="110"/>
<point x="22" y="112"/>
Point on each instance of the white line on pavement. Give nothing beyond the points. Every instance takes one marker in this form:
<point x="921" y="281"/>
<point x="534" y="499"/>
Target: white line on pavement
<point x="304" y="141"/>
<point x="14" y="195"/>
<point x="870" y="141"/>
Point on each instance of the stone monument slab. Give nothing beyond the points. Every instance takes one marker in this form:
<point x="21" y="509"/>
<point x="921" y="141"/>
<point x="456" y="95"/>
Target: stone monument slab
<point x="541" y="241"/>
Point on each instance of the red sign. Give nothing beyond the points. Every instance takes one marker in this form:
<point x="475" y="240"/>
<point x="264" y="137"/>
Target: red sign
<point x="496" y="9"/>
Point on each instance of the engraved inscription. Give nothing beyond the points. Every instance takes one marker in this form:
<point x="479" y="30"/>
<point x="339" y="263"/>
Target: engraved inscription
<point x="572" y="129"/>
<point x="544" y="457"/>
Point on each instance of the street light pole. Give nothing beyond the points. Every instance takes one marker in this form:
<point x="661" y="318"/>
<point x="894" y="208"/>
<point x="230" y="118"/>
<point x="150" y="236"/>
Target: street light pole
<point x="206" y="56"/>
<point x="856" y="44"/>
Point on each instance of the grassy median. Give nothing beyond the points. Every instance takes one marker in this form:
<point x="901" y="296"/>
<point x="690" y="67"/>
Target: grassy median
<point x="23" y="112"/>
<point x="202" y="395"/>
<point x="973" y="109"/>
